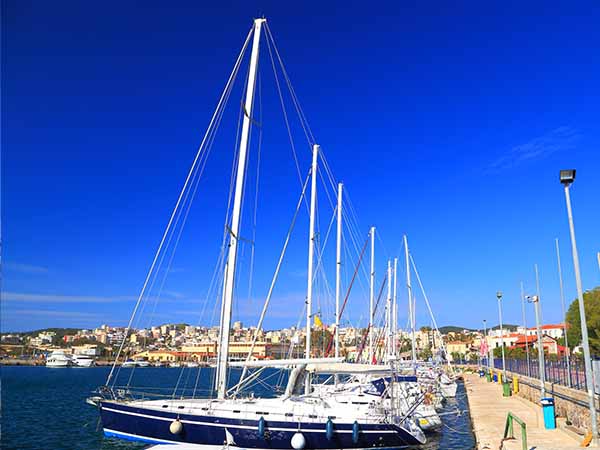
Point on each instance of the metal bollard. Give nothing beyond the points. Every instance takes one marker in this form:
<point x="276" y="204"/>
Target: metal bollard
<point x="515" y="384"/>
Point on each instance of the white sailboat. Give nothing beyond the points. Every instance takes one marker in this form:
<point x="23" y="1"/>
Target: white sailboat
<point x="360" y="416"/>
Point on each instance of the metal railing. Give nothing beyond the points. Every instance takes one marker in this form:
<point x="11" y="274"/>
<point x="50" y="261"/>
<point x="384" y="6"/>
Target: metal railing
<point x="509" y="432"/>
<point x="555" y="371"/>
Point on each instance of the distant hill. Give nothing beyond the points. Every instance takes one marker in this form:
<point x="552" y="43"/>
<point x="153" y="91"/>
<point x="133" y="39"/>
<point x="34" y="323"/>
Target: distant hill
<point x="60" y="332"/>
<point x="454" y="329"/>
<point x="506" y="326"/>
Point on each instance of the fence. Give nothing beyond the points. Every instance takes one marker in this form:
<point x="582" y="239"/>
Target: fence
<point x="555" y="371"/>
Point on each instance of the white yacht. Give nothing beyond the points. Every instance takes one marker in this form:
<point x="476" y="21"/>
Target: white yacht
<point x="135" y="363"/>
<point x="83" y="361"/>
<point x="58" y="358"/>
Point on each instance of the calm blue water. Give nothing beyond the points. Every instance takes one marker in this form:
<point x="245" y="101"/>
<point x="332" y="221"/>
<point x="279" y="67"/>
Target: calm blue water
<point x="45" y="409"/>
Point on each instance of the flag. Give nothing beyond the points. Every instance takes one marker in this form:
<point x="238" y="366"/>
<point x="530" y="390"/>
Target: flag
<point x="318" y="322"/>
<point x="483" y="348"/>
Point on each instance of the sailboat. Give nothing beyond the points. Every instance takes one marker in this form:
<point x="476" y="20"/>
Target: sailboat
<point x="302" y="417"/>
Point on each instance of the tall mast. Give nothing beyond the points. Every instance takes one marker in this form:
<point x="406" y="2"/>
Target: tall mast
<point x="229" y="276"/>
<point x="338" y="269"/>
<point x="372" y="295"/>
<point x="395" y="310"/>
<point x="410" y="304"/>
<point x="388" y="312"/>
<point x="311" y="250"/>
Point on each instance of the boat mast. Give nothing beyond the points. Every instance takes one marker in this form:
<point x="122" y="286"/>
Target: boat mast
<point x="395" y="310"/>
<point x="410" y="305"/>
<point x="311" y="250"/>
<point x="338" y="269"/>
<point x="388" y="312"/>
<point x="228" y="281"/>
<point x="371" y="295"/>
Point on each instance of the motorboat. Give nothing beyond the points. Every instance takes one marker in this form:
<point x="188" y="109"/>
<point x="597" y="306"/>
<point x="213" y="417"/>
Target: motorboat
<point x="58" y="358"/>
<point x="135" y="363"/>
<point x="83" y="361"/>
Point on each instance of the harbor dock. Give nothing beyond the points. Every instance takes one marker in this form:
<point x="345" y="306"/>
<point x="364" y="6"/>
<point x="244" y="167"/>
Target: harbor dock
<point x="489" y="412"/>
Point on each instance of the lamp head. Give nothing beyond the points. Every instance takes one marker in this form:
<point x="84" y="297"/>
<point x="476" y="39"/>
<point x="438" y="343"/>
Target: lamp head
<point x="567" y="176"/>
<point x="532" y="298"/>
<point x="499" y="295"/>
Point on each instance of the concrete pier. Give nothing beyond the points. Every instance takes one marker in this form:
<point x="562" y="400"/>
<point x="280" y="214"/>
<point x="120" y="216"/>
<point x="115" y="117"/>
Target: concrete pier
<point x="489" y="410"/>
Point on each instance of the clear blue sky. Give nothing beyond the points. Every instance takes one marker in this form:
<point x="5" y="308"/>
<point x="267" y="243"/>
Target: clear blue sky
<point x="447" y="122"/>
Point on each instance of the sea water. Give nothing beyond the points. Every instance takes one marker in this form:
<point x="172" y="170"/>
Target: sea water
<point x="44" y="408"/>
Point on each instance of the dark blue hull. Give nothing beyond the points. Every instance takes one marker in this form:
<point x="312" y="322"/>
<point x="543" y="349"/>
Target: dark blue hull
<point x="152" y="426"/>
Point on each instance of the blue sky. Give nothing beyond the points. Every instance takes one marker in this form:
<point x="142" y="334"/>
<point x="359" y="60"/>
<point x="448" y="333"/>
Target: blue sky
<point x="446" y="122"/>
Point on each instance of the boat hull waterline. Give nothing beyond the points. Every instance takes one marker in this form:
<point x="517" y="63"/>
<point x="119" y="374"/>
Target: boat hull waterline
<point x="152" y="426"/>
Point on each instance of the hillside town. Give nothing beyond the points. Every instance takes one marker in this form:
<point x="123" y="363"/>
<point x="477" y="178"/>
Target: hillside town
<point x="180" y="343"/>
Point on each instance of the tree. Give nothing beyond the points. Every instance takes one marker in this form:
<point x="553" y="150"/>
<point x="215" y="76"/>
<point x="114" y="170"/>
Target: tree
<point x="509" y="353"/>
<point x="405" y="345"/>
<point x="456" y="356"/>
<point x="591" y="301"/>
<point x="425" y="354"/>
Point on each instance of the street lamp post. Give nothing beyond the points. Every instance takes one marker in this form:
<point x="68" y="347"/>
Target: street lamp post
<point x="487" y="351"/>
<point x="566" y="178"/>
<point x="526" y="332"/>
<point x="564" y="316"/>
<point x="536" y="303"/>
<point x="499" y="297"/>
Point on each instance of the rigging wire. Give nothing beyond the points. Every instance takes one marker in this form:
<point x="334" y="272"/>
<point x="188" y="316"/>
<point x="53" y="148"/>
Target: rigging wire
<point x="285" y="115"/>
<point x="276" y="274"/>
<point x="349" y="288"/>
<point x="185" y="205"/>
<point x="442" y="344"/>
<point x="304" y="123"/>
<point x="173" y="214"/>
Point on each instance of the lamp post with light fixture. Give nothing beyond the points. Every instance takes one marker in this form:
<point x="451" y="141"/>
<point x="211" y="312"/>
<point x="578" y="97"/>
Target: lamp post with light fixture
<point x="541" y="365"/>
<point x="487" y="350"/>
<point x="566" y="178"/>
<point x="499" y="297"/>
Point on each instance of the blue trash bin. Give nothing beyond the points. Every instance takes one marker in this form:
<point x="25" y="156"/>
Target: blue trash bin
<point x="548" y="410"/>
<point x="495" y="378"/>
